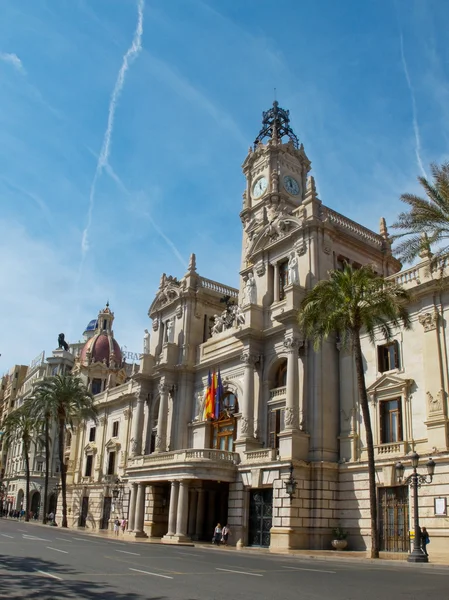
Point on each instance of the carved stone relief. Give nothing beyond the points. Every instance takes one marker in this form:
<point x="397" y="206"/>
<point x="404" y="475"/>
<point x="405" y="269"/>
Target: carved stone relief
<point x="429" y="320"/>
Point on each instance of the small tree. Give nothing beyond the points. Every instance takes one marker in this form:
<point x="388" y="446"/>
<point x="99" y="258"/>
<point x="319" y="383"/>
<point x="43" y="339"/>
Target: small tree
<point x="67" y="401"/>
<point x="350" y="302"/>
<point x="20" y="424"/>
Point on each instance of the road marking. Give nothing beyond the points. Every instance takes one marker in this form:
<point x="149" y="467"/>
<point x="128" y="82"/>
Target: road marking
<point x="33" y="537"/>
<point x="241" y="572"/>
<point x="23" y="530"/>
<point x="188" y="554"/>
<point x="304" y="569"/>
<point x="148" y="573"/>
<point x="125" y="552"/>
<point x="9" y="536"/>
<point x="57" y="550"/>
<point x="64" y="540"/>
<point x="49" y="575"/>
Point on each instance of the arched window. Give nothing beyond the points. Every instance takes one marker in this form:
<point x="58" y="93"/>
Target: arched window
<point x="229" y="403"/>
<point x="280" y="379"/>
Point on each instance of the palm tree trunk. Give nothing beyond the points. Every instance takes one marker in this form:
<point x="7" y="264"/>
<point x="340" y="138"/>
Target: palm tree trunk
<point x="61" y="439"/>
<point x="47" y="464"/>
<point x="27" y="477"/>
<point x="369" y="443"/>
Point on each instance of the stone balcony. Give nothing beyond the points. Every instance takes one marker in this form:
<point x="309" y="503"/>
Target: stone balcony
<point x="192" y="463"/>
<point x="264" y="455"/>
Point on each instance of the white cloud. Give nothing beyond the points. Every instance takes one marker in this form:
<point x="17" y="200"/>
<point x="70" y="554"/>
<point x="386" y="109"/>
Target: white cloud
<point x="414" y="109"/>
<point x="130" y="55"/>
<point x="13" y="60"/>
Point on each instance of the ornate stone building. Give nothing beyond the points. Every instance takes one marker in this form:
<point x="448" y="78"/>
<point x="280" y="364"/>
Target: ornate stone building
<point x="284" y="406"/>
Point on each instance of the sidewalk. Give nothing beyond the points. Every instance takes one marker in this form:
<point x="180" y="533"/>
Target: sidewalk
<point x="399" y="558"/>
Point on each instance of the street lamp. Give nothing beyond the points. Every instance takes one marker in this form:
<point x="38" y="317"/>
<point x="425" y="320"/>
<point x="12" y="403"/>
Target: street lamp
<point x="290" y="484"/>
<point x="2" y="497"/>
<point x="415" y="480"/>
<point x="117" y="489"/>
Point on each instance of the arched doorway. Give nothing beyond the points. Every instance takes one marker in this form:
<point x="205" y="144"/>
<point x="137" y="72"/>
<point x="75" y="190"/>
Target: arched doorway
<point x="52" y="504"/>
<point x="35" y="503"/>
<point x="19" y="501"/>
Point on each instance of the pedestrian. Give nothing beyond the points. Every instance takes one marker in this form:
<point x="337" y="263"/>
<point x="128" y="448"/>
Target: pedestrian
<point x="123" y="525"/>
<point x="226" y="532"/>
<point x="425" y="539"/>
<point x="51" y="517"/>
<point x="217" y="535"/>
<point x="116" y="526"/>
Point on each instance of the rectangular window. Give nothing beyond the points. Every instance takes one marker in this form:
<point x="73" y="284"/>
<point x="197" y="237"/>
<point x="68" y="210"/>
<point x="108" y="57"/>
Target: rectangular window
<point x="275" y="426"/>
<point x="111" y="463"/>
<point x="96" y="386"/>
<point x="115" y="429"/>
<point x="388" y="356"/>
<point x="92" y="434"/>
<point x="390" y="421"/>
<point x="40" y="467"/>
<point x="89" y="460"/>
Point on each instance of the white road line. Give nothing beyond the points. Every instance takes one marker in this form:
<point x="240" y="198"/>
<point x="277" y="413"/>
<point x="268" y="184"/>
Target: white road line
<point x="188" y="554"/>
<point x="148" y="573"/>
<point x="125" y="552"/>
<point x="49" y="575"/>
<point x="304" y="569"/>
<point x="22" y="530"/>
<point x="64" y="540"/>
<point x="9" y="536"/>
<point x="57" y="550"/>
<point x="35" y="538"/>
<point x="241" y="572"/>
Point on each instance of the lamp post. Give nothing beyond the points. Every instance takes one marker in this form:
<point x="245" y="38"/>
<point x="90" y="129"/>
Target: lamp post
<point x="2" y="497"/>
<point x="290" y="484"/>
<point x="415" y="480"/>
<point x="117" y="491"/>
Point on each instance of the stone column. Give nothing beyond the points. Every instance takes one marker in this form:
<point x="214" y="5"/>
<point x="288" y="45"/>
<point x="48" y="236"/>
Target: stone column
<point x="192" y="512"/>
<point x="137" y="427"/>
<point x="276" y="282"/>
<point x="173" y="508"/>
<point x="199" y="526"/>
<point x="246" y="424"/>
<point x="132" y="507"/>
<point x="182" y="512"/>
<point x="291" y="403"/>
<point x="140" y="511"/>
<point x="161" y="437"/>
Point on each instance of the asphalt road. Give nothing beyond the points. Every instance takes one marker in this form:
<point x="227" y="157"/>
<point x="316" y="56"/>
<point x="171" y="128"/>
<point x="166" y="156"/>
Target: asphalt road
<point x="52" y="563"/>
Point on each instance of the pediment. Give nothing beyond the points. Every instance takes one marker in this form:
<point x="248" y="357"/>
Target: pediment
<point x="112" y="445"/>
<point x="168" y="293"/>
<point x="91" y="447"/>
<point x="274" y="232"/>
<point x="389" y="383"/>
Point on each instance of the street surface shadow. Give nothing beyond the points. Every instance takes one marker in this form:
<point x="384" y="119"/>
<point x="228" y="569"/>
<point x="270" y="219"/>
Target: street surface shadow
<point x="20" y="578"/>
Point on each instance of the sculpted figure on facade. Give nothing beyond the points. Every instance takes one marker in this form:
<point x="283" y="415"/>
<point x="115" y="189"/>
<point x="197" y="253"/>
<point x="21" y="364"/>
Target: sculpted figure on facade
<point x="428" y="320"/>
<point x="293" y="274"/>
<point x="170" y="330"/>
<point x="435" y="404"/>
<point x="250" y="290"/>
<point x="146" y="342"/>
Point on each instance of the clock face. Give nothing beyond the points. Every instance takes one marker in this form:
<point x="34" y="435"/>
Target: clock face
<point x="291" y="185"/>
<point x="259" y="187"/>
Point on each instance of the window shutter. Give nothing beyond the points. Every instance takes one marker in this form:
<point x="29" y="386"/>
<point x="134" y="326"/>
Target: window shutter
<point x="396" y="354"/>
<point x="272" y="429"/>
<point x="381" y="422"/>
<point x="400" y="438"/>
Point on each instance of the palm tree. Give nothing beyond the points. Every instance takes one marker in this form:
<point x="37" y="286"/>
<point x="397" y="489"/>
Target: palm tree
<point x="21" y="425"/>
<point x="67" y="401"/>
<point x="349" y="303"/>
<point x="426" y="223"/>
<point x="42" y="410"/>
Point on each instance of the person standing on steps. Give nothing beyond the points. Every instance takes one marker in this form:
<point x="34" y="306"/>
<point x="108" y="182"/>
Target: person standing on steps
<point x="425" y="539"/>
<point x="226" y="532"/>
<point x="116" y="527"/>
<point x="217" y="534"/>
<point x="123" y="525"/>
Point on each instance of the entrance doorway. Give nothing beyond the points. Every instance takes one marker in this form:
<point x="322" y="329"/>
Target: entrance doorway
<point x="260" y="517"/>
<point x="393" y="519"/>
<point x="35" y="503"/>
<point x="106" y="512"/>
<point x="84" y="510"/>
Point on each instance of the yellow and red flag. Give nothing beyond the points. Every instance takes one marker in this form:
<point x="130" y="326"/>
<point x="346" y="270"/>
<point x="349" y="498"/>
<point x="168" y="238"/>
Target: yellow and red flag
<point x="209" y="403"/>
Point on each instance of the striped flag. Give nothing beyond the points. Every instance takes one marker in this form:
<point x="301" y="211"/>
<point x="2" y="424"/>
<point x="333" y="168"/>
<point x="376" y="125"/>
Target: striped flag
<point x="209" y="399"/>
<point x="218" y="394"/>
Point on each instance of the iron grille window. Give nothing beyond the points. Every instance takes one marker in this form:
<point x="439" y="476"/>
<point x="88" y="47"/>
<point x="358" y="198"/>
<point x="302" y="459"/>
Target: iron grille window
<point x="111" y="463"/>
<point x="388" y="356"/>
<point x="88" y="471"/>
<point x="390" y="421"/>
<point x="92" y="434"/>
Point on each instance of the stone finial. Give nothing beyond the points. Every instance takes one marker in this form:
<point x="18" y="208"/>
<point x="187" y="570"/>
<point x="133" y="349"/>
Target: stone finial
<point x="192" y="263"/>
<point x="162" y="281"/>
<point x="425" y="252"/>
<point x="383" y="228"/>
<point x="311" y="187"/>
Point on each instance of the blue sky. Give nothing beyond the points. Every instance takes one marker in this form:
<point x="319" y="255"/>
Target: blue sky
<point x="141" y="113"/>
